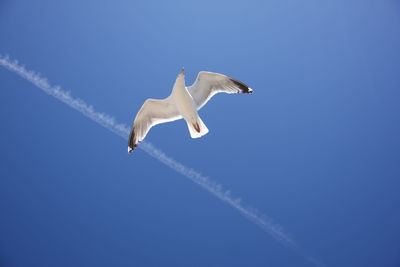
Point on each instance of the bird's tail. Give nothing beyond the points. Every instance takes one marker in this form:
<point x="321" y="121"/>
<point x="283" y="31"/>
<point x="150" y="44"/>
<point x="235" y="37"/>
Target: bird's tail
<point x="197" y="129"/>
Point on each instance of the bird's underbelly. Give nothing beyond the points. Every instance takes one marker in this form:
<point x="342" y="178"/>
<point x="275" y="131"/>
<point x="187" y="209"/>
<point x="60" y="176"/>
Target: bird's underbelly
<point x="185" y="105"/>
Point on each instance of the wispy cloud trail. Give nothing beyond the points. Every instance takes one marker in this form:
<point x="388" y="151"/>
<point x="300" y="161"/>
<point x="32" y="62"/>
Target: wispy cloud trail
<point x="122" y="130"/>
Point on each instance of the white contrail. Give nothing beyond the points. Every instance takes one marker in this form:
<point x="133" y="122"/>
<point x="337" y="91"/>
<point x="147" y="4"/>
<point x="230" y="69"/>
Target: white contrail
<point x="123" y="131"/>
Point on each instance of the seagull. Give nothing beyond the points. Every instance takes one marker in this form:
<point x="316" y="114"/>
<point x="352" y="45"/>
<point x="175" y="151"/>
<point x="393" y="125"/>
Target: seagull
<point x="184" y="102"/>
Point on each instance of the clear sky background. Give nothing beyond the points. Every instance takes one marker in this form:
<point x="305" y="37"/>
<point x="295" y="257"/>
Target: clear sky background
<point x="316" y="147"/>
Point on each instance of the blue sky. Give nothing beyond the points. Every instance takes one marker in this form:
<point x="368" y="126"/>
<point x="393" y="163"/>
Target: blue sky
<point x="315" y="148"/>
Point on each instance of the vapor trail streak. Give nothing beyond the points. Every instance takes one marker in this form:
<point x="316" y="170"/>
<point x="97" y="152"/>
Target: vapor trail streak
<point x="122" y="130"/>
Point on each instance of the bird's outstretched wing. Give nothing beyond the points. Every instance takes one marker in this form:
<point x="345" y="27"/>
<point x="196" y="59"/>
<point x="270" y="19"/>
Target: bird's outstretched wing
<point x="208" y="84"/>
<point x="153" y="112"/>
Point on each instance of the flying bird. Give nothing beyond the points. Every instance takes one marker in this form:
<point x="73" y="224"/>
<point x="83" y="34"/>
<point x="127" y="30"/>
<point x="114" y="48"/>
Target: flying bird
<point x="184" y="102"/>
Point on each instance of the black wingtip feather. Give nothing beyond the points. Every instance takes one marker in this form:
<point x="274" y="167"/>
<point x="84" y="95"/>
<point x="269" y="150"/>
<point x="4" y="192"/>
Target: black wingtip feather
<point x="244" y="88"/>
<point x="131" y="141"/>
<point x="130" y="149"/>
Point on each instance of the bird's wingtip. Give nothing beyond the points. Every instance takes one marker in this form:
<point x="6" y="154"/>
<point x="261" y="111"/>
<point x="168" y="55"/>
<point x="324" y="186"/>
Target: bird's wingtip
<point x="130" y="149"/>
<point x="182" y="70"/>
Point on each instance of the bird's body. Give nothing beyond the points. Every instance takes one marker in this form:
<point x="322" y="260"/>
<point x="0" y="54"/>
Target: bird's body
<point x="187" y="107"/>
<point x="184" y="102"/>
